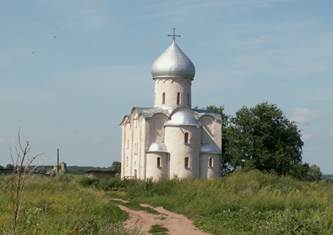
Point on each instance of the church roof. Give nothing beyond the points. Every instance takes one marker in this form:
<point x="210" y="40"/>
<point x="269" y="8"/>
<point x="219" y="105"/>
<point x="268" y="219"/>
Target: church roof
<point x="209" y="148"/>
<point x="150" y="111"/>
<point x="157" y="148"/>
<point x="203" y="112"/>
<point x="173" y="63"/>
<point x="183" y="117"/>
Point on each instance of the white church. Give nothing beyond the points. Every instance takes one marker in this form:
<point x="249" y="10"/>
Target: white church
<point x="170" y="139"/>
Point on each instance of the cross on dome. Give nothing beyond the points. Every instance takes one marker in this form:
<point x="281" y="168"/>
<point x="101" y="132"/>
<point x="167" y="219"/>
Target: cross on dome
<point x="174" y="35"/>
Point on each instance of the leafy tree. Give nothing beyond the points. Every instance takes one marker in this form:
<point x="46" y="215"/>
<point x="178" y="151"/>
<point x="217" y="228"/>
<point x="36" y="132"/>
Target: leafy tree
<point x="263" y="138"/>
<point x="10" y="166"/>
<point x="314" y="173"/>
<point x="1" y="167"/>
<point x="116" y="166"/>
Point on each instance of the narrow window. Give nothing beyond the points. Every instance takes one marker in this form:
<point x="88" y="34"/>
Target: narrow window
<point x="210" y="162"/>
<point x="178" y="98"/>
<point x="163" y="98"/>
<point x="187" y="163"/>
<point x="186" y="138"/>
<point x="188" y="100"/>
<point x="158" y="162"/>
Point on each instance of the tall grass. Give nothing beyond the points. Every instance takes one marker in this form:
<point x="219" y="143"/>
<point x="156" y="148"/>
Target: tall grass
<point x="245" y="203"/>
<point x="60" y="206"/>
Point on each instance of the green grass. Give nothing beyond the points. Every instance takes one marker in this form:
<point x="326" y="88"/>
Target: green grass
<point x="157" y="229"/>
<point x="244" y="203"/>
<point x="59" y="205"/>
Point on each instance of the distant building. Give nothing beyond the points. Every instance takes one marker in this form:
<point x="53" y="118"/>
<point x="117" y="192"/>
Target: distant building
<point x="171" y="140"/>
<point x="61" y="168"/>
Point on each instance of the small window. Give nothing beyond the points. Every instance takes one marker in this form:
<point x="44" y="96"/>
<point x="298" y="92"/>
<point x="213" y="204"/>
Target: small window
<point x="178" y="98"/>
<point x="187" y="165"/>
<point x="186" y="138"/>
<point x="188" y="99"/>
<point x="163" y="98"/>
<point x="210" y="162"/>
<point x="158" y="162"/>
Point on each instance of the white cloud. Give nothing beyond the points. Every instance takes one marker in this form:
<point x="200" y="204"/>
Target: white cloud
<point x="303" y="115"/>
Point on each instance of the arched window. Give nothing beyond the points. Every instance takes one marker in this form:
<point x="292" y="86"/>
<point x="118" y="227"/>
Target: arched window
<point x="158" y="162"/>
<point x="186" y="138"/>
<point x="178" y="98"/>
<point x="187" y="163"/>
<point x="163" y="98"/>
<point x="210" y="162"/>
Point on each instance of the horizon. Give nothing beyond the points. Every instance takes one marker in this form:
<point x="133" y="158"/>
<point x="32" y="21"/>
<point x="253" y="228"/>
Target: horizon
<point x="64" y="67"/>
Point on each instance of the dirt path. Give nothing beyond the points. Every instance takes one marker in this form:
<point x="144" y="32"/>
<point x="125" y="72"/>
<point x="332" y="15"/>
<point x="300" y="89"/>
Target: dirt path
<point x="176" y="224"/>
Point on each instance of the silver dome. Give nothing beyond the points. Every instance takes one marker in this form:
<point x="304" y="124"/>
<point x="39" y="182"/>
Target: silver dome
<point x="173" y="63"/>
<point x="183" y="118"/>
<point x="157" y="147"/>
<point x="209" y="148"/>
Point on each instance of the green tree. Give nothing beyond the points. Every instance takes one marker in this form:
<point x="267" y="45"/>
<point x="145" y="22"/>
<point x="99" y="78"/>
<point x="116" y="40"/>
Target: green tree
<point x="116" y="166"/>
<point x="10" y="166"/>
<point x="263" y="138"/>
<point x="314" y="173"/>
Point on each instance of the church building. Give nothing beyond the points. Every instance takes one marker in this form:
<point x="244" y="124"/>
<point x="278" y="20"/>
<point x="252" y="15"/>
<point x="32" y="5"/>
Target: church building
<point x="170" y="139"/>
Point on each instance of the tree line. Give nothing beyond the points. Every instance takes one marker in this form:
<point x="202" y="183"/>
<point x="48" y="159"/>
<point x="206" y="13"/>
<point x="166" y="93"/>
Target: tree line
<point x="262" y="137"/>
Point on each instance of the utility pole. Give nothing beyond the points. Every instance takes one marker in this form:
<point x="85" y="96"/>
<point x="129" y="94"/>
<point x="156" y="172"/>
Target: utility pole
<point x="58" y="166"/>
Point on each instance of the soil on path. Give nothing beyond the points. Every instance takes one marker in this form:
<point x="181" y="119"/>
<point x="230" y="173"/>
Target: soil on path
<point x="176" y="224"/>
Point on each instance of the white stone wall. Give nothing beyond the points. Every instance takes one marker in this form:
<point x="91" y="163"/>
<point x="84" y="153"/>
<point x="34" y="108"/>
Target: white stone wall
<point x="127" y="149"/>
<point x="171" y="86"/>
<point x="178" y="150"/>
<point x="153" y="171"/>
<point x="211" y="131"/>
<point x="207" y="172"/>
<point x="122" y="171"/>
<point x="156" y="128"/>
<point x="207" y="132"/>
<point x="139" y="133"/>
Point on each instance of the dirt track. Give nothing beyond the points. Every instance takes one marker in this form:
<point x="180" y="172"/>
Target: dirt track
<point x="176" y="224"/>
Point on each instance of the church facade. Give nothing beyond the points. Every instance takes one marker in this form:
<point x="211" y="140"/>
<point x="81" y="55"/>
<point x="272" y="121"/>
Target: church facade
<point x="170" y="139"/>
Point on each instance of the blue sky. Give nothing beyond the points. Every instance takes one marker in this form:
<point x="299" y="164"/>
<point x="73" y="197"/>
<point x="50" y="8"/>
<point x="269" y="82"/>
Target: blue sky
<point x="69" y="70"/>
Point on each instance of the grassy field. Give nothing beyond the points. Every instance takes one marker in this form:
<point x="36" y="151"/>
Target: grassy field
<point x="242" y="203"/>
<point x="59" y="205"/>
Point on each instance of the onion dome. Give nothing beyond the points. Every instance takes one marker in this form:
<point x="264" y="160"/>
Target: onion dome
<point x="183" y="118"/>
<point x="157" y="147"/>
<point x="173" y="63"/>
<point x="209" y="148"/>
